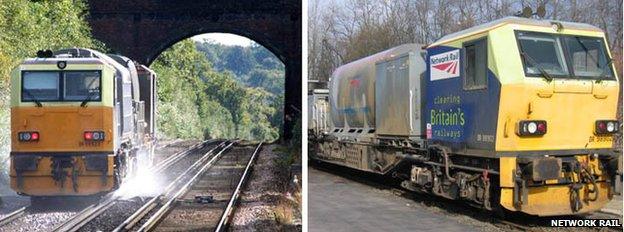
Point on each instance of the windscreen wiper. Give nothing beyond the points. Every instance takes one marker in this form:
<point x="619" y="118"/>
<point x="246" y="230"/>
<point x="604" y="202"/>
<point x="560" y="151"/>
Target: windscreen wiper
<point x="37" y="102"/>
<point x="603" y="75"/>
<point x="545" y="74"/>
<point x="87" y="99"/>
<point x="89" y="95"/>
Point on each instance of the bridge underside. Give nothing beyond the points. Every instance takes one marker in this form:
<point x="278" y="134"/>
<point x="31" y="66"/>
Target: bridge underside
<point x="143" y="29"/>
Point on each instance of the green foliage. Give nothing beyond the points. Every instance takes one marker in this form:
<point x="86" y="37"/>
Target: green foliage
<point x="185" y="111"/>
<point x="27" y="26"/>
<point x="263" y="73"/>
<point x="198" y="101"/>
<point x="254" y="66"/>
<point x="291" y="152"/>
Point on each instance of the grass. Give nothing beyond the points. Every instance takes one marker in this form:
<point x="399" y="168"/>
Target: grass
<point x="284" y="213"/>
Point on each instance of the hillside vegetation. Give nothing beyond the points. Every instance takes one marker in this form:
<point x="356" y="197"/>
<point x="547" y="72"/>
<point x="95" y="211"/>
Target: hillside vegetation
<point x="198" y="101"/>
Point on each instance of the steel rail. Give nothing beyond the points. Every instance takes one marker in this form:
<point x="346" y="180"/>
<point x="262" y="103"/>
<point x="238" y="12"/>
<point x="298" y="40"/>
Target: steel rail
<point x="131" y="221"/>
<point x="166" y="206"/>
<point x="84" y="216"/>
<point x="12" y="216"/>
<point x="175" y="157"/>
<point x="229" y="210"/>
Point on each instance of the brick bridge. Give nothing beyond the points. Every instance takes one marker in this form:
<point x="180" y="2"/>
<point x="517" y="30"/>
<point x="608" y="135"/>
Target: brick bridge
<point x="142" y="29"/>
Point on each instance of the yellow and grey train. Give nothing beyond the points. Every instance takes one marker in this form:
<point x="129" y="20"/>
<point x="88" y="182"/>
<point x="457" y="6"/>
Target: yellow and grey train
<point x="80" y="122"/>
<point x="513" y="115"/>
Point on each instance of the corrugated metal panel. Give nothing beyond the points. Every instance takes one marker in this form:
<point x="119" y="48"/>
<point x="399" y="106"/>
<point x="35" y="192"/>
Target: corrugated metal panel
<point x="397" y="95"/>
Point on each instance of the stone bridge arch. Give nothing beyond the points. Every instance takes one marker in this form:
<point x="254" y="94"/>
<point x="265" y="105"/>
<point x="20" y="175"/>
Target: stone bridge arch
<point x="142" y="29"/>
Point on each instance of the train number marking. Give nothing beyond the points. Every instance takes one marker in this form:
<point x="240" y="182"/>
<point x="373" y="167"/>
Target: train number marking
<point x="600" y="139"/>
<point x="485" y="138"/>
<point x="90" y="144"/>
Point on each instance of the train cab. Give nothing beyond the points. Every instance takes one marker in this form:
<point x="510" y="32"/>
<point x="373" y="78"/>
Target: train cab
<point x="73" y="123"/>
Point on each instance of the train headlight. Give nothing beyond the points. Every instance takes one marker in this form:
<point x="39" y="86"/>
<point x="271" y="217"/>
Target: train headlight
<point x="94" y="135"/>
<point x="610" y="126"/>
<point x="532" y="128"/>
<point x="28" y="136"/>
<point x="604" y="127"/>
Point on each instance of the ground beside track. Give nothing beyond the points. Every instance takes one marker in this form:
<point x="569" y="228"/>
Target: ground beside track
<point x="340" y="204"/>
<point x="344" y="199"/>
<point x="271" y="200"/>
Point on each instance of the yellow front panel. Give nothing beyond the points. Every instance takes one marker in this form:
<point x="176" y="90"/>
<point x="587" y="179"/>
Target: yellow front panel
<point x="554" y="200"/>
<point x="61" y="128"/>
<point x="571" y="117"/>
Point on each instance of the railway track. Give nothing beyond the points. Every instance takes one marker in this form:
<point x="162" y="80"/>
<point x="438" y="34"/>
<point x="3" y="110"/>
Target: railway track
<point x="12" y="216"/>
<point x="226" y="168"/>
<point x="223" y="176"/>
<point x="51" y="216"/>
<point x="90" y="213"/>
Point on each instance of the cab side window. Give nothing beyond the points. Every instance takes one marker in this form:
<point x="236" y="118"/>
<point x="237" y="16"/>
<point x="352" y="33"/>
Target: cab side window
<point x="475" y="64"/>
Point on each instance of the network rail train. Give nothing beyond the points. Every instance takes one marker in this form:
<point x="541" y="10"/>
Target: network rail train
<point x="80" y="122"/>
<point x="513" y="115"/>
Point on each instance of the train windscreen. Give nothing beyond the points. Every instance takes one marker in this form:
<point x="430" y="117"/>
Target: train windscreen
<point x="564" y="56"/>
<point x="40" y="86"/>
<point x="81" y="85"/>
<point x="588" y="57"/>
<point x="542" y="51"/>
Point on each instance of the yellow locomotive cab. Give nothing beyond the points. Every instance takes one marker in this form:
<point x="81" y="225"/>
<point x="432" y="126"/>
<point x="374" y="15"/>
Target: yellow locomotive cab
<point x="67" y="134"/>
<point x="557" y="89"/>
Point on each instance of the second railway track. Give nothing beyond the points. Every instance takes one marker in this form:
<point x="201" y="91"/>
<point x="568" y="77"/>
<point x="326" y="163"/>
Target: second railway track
<point x="205" y="202"/>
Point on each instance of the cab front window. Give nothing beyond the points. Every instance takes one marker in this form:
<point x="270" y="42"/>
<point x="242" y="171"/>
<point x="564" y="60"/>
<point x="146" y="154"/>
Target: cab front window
<point x="58" y="86"/>
<point x="82" y="85"/>
<point x="588" y="57"/>
<point x="40" y="86"/>
<point x="542" y="51"/>
<point x="564" y="56"/>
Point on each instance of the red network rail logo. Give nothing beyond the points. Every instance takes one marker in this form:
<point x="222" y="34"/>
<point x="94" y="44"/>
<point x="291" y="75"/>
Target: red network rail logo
<point x="444" y="65"/>
<point x="449" y="67"/>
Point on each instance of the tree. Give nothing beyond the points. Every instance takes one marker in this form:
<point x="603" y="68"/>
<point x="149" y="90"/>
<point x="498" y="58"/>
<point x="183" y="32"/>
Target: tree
<point x="239" y="60"/>
<point x="28" y="26"/>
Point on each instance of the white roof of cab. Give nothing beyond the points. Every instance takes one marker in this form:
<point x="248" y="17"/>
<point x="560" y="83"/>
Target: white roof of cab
<point x="512" y="20"/>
